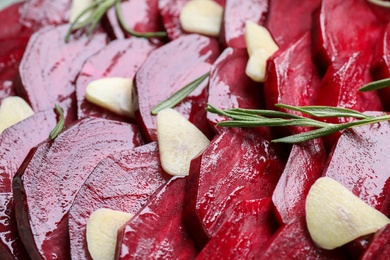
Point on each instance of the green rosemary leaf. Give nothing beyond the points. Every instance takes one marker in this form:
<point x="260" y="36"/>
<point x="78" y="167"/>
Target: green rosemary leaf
<point x="60" y="125"/>
<point x="376" y="85"/>
<point x="325" y="111"/>
<point x="280" y="122"/>
<point x="177" y="97"/>
<point x="261" y="112"/>
<point x="76" y="25"/>
<point x="380" y="3"/>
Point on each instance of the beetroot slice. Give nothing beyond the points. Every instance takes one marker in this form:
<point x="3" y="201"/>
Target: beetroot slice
<point x="120" y="58"/>
<point x="292" y="78"/>
<point x="170" y="68"/>
<point x="342" y="27"/>
<point x="379" y="247"/>
<point x="123" y="181"/>
<point x="230" y="87"/>
<point x="288" y="20"/>
<point x="170" y="13"/>
<point x="12" y="27"/>
<point x="244" y="233"/>
<point x="293" y="241"/>
<point x="236" y="13"/>
<point x="140" y="16"/>
<point x="50" y="66"/>
<point x="222" y="176"/>
<point x="15" y="144"/>
<point x="158" y="230"/>
<point x="360" y="161"/>
<point x="304" y="166"/>
<point x="46" y="186"/>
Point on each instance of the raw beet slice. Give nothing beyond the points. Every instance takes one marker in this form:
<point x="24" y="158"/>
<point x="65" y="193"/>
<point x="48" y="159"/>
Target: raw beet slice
<point x="236" y="13"/>
<point x="360" y="161"/>
<point x="140" y="16"/>
<point x="239" y="164"/>
<point x="304" y="166"/>
<point x="12" y="27"/>
<point x="230" y="87"/>
<point x="379" y="247"/>
<point x="244" y="233"/>
<point x="170" y="68"/>
<point x="120" y="58"/>
<point x="288" y="20"/>
<point x="41" y="13"/>
<point x="44" y="189"/>
<point x="170" y="13"/>
<point x="123" y="181"/>
<point x="342" y="27"/>
<point x="293" y="241"/>
<point x="50" y="66"/>
<point x="157" y="230"/>
<point x="292" y="78"/>
<point x="15" y="144"/>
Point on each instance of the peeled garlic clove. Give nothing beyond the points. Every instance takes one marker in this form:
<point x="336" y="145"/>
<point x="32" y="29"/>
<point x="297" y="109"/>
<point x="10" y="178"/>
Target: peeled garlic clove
<point x="78" y="6"/>
<point x="335" y="216"/>
<point x="102" y="229"/>
<point x="114" y="94"/>
<point x="179" y="142"/>
<point x="257" y="64"/>
<point x="258" y="37"/>
<point x="202" y="16"/>
<point x="12" y="111"/>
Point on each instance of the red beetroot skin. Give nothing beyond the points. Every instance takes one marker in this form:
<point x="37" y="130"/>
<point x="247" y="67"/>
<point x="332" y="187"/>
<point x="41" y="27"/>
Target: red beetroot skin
<point x="304" y="166"/>
<point x="15" y="143"/>
<point x="361" y="161"/>
<point x="120" y="58"/>
<point x="45" y="187"/>
<point x="50" y="66"/>
<point x="222" y="176"/>
<point x="123" y="181"/>
<point x="158" y="231"/>
<point x="288" y="20"/>
<point x="170" y="13"/>
<point x="167" y="70"/>
<point x="342" y="27"/>
<point x="379" y="247"/>
<point x="244" y="233"/>
<point x="230" y="87"/>
<point x="293" y="242"/>
<point x="140" y="16"/>
<point x="292" y="78"/>
<point x="236" y="14"/>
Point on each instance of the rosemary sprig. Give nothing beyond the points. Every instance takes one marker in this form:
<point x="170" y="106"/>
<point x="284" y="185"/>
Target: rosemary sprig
<point x="380" y="3"/>
<point x="181" y="94"/>
<point x="60" y="125"/>
<point x="256" y="118"/>
<point x="376" y="85"/>
<point x="97" y="11"/>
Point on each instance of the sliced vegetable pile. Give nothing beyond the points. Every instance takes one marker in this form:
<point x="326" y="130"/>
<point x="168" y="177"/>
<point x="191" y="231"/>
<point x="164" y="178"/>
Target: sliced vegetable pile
<point x="207" y="129"/>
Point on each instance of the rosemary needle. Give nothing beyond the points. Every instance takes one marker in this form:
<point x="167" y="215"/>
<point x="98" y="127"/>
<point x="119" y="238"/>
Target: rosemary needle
<point x="60" y="125"/>
<point x="376" y="85"/>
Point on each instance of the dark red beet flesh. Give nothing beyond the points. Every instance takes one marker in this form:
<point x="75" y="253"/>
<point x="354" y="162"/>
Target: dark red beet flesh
<point x="170" y="68"/>
<point x="244" y="232"/>
<point x="170" y="13"/>
<point x="50" y="66"/>
<point x="15" y="144"/>
<point x="304" y="166"/>
<point x="157" y="230"/>
<point x="123" y="181"/>
<point x="120" y="58"/>
<point x="222" y="176"/>
<point x="230" y="87"/>
<point x="379" y="247"/>
<point x="45" y="186"/>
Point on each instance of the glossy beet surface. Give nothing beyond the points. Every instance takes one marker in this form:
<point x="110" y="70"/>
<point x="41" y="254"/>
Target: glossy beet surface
<point x="120" y="58"/>
<point x="379" y="247"/>
<point x="236" y="14"/>
<point x="15" y="143"/>
<point x="170" y="68"/>
<point x="244" y="232"/>
<point x="222" y="176"/>
<point x="50" y="66"/>
<point x="123" y="181"/>
<point x="304" y="166"/>
<point x="157" y="230"/>
<point x="170" y="13"/>
<point x="140" y="16"/>
<point x="45" y="187"/>
<point x="230" y="87"/>
<point x="360" y="162"/>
